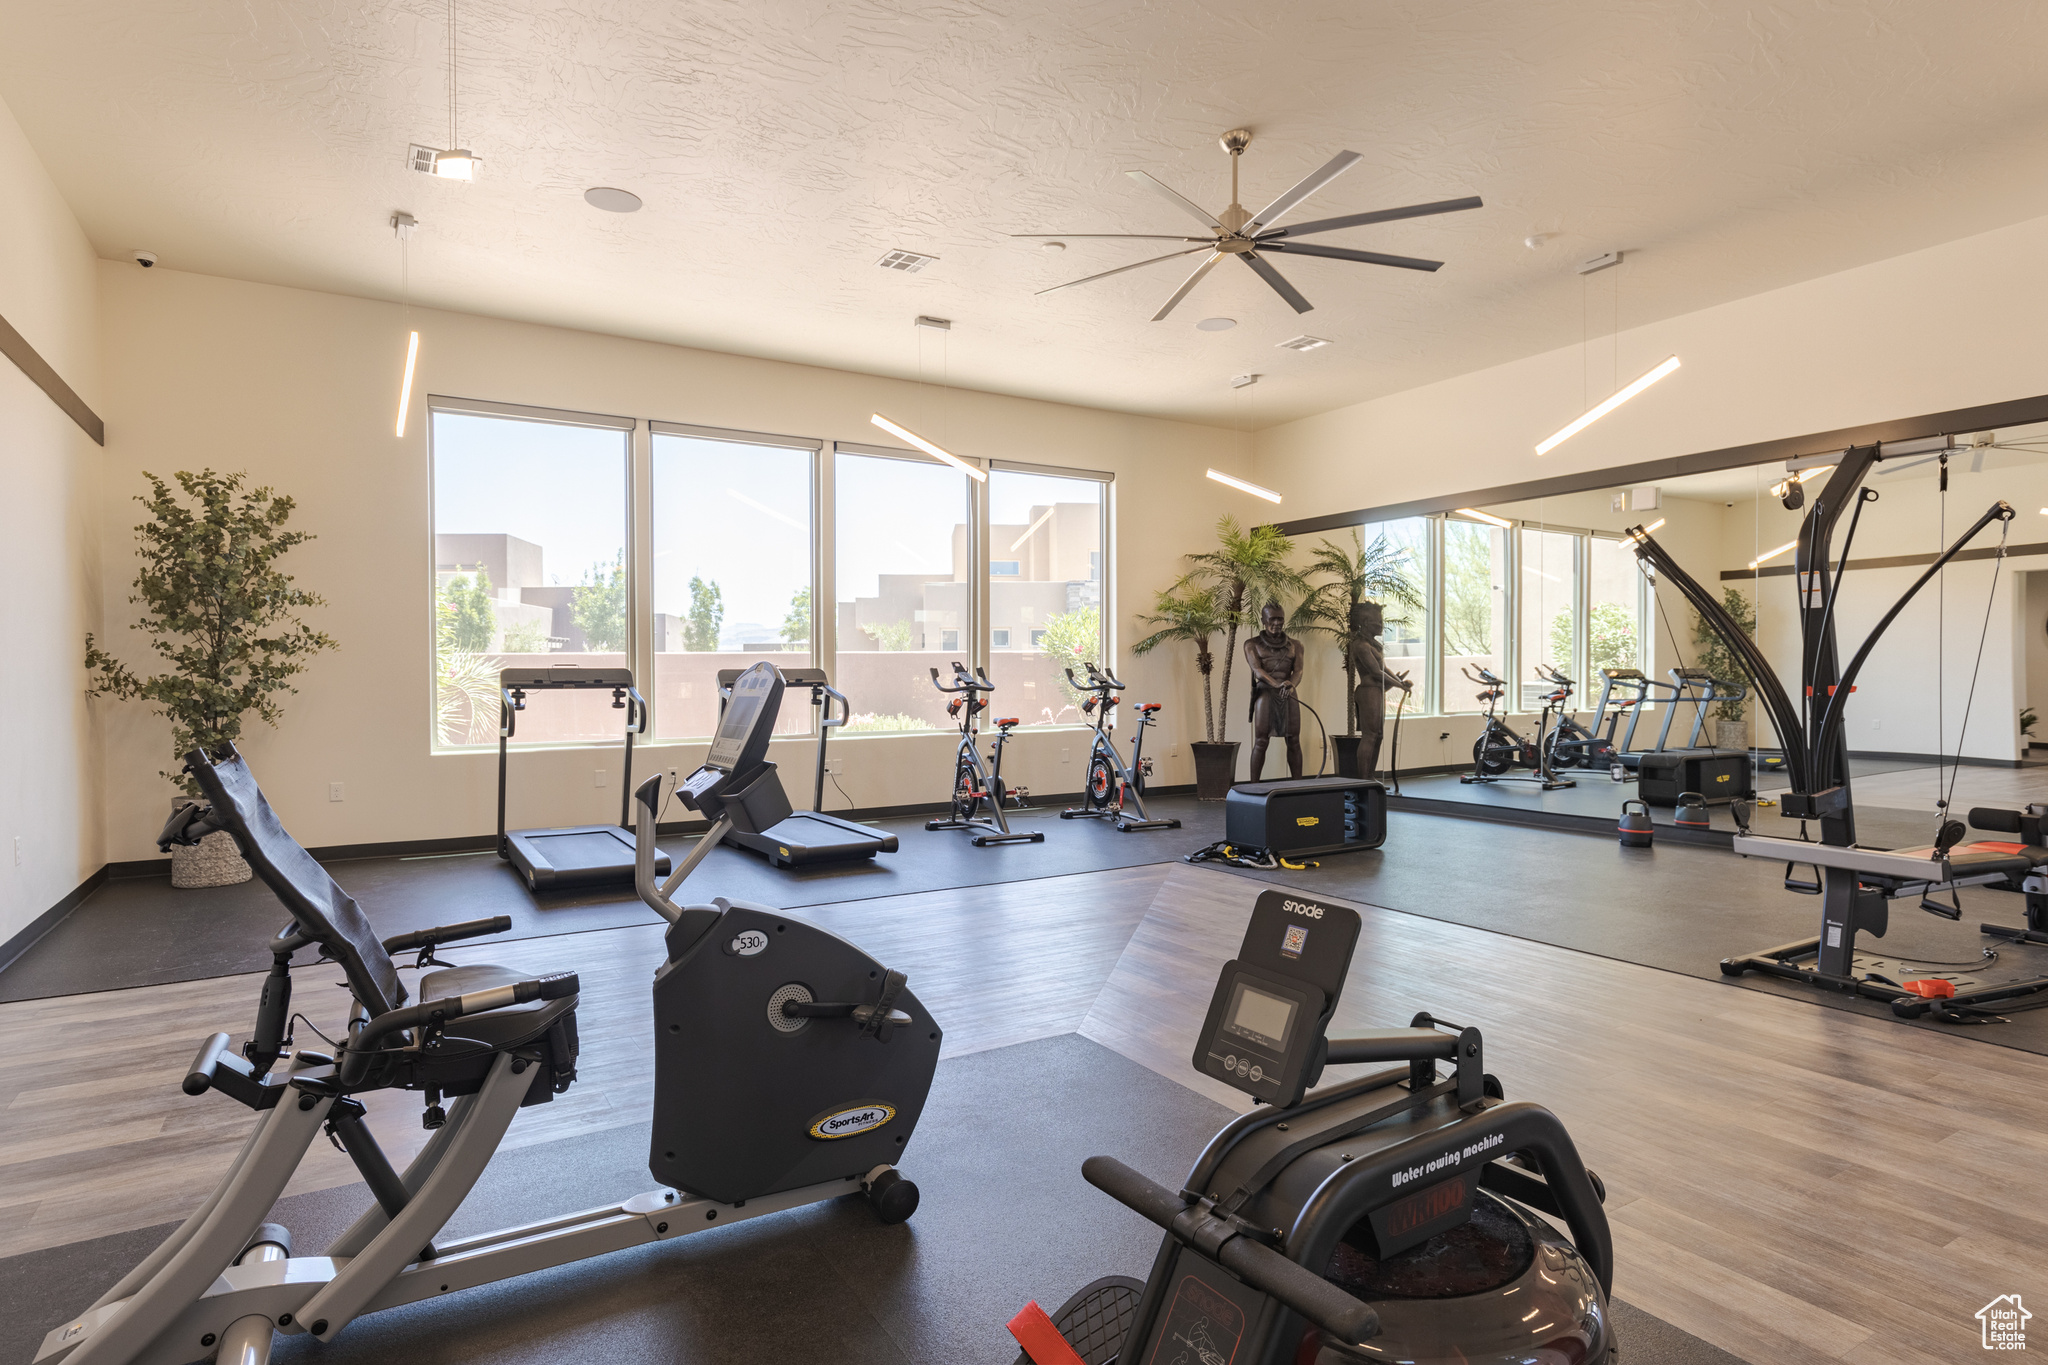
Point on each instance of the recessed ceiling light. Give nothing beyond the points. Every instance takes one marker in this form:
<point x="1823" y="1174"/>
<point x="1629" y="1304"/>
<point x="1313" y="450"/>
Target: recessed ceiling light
<point x="1304" y="343"/>
<point x="909" y="262"/>
<point x="1052" y="248"/>
<point x="611" y="200"/>
<point x="1215" y="324"/>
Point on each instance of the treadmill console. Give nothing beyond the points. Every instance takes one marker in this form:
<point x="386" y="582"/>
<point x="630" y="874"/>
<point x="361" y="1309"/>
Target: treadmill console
<point x="531" y="679"/>
<point x="741" y="743"/>
<point x="1265" y="1029"/>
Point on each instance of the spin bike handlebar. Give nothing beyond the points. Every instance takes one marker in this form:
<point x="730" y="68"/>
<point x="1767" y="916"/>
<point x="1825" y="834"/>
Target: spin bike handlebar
<point x="1099" y="679"/>
<point x="964" y="681"/>
<point x="1258" y="1265"/>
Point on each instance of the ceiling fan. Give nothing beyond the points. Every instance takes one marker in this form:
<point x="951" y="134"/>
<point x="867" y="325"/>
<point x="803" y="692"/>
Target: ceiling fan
<point x="1248" y="236"/>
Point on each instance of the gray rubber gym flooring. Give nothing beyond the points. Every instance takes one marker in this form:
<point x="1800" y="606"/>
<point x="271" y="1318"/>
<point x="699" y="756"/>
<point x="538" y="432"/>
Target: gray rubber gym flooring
<point x="822" y="1284"/>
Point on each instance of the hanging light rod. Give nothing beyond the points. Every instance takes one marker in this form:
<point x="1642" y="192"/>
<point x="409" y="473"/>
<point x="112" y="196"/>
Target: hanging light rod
<point x="1770" y="555"/>
<point x="1487" y="517"/>
<point x="1244" y="486"/>
<point x="1651" y="529"/>
<point x="412" y="353"/>
<point x="1607" y="405"/>
<point x="1032" y="529"/>
<point x="927" y="447"/>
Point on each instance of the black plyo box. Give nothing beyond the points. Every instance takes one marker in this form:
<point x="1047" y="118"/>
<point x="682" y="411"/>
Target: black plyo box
<point x="1719" y="777"/>
<point x="1300" y="816"/>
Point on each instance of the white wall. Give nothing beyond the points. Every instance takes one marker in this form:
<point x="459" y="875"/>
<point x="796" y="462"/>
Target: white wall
<point x="299" y="389"/>
<point x="49" y="546"/>
<point x="2034" y="630"/>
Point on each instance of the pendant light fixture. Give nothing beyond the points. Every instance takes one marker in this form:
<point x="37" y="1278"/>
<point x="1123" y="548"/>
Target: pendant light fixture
<point x="402" y="227"/>
<point x="1244" y="385"/>
<point x="944" y="328"/>
<point x="458" y="162"/>
<point x="1610" y="261"/>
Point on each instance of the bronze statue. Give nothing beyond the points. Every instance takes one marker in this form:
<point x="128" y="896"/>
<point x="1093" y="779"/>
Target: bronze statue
<point x="1369" y="662"/>
<point x="1275" y="659"/>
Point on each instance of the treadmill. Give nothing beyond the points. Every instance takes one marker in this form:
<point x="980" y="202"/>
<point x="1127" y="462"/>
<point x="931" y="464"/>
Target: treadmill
<point x="763" y="819"/>
<point x="576" y="855"/>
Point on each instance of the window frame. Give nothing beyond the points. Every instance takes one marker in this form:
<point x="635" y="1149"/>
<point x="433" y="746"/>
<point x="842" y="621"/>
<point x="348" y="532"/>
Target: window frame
<point x="1106" y="566"/>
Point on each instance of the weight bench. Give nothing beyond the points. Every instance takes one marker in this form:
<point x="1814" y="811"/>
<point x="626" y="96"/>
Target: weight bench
<point x="1886" y="875"/>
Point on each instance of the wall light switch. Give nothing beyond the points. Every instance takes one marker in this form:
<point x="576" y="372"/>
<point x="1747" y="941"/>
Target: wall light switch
<point x="1066" y="755"/>
<point x="600" y="777"/>
<point x="17" y="850"/>
<point x="334" y="791"/>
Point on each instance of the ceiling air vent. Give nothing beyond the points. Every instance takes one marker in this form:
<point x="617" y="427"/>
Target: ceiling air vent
<point x="909" y="262"/>
<point x="1304" y="343"/>
<point x="421" y="158"/>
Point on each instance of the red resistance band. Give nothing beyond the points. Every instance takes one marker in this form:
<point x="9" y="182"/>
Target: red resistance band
<point x="1040" y="1339"/>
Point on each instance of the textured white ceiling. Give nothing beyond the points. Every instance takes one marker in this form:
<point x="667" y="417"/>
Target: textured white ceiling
<point x="781" y="147"/>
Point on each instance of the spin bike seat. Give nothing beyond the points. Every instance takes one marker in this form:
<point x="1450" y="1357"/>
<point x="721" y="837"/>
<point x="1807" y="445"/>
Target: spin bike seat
<point x="1007" y="721"/>
<point x="1491" y="696"/>
<point x="1149" y="707"/>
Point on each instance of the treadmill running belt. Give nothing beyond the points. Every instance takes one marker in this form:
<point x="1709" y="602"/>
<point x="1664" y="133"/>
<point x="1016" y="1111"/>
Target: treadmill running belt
<point x="571" y="849"/>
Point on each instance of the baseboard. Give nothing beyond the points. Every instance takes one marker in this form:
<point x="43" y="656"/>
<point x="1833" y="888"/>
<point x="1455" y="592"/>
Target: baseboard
<point x="484" y="843"/>
<point x="42" y="924"/>
<point x="1884" y="756"/>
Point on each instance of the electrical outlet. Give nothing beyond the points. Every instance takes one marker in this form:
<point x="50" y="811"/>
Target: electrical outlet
<point x="600" y="777"/>
<point x="1876" y="724"/>
<point x="17" y="850"/>
<point x="835" y="766"/>
<point x="1066" y="755"/>
<point x="1173" y="751"/>
<point x="335" y="791"/>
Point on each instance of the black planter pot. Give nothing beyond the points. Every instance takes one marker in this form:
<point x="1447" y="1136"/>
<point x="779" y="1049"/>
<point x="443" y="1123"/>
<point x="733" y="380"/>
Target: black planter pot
<point x="1215" y="769"/>
<point x="1347" y="754"/>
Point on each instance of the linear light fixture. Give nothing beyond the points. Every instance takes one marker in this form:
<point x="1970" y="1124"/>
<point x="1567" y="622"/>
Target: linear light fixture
<point x="412" y="353"/>
<point x="1032" y="529"/>
<point x="1778" y="489"/>
<point x="1243" y="487"/>
<point x="1487" y="517"/>
<point x="927" y="447"/>
<point x="1607" y="405"/>
<point x="764" y="509"/>
<point x="1770" y="555"/>
<point x="1651" y="529"/>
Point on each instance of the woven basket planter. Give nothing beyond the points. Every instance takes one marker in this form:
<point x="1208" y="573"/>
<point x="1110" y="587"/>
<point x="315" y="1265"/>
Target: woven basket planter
<point x="213" y="861"/>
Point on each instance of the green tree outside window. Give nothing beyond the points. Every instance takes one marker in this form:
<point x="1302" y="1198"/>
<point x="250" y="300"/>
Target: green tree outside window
<point x="599" y="607"/>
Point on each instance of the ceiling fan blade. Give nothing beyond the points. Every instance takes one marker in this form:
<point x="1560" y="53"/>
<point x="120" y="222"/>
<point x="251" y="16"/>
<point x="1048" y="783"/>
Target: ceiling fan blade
<point x="1307" y="186"/>
<point x="1377" y="216"/>
<point x="1266" y="272"/>
<point x="1338" y="253"/>
<point x="1175" y="197"/>
<point x="1188" y="284"/>
<point x="1122" y="236"/>
<point x="1122" y="268"/>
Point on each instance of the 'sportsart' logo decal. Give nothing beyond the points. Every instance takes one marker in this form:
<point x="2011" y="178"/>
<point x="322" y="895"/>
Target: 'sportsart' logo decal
<point x="852" y="1120"/>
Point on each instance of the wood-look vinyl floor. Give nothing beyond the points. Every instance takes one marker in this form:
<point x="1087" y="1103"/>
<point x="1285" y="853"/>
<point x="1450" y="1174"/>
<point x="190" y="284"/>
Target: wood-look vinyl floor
<point x="1790" y="1183"/>
<point x="96" y="1137"/>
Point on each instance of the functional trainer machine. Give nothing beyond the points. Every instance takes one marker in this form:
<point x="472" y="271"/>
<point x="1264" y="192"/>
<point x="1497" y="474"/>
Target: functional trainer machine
<point x="575" y="855"/>
<point x="1392" y="1217"/>
<point x="788" y="837"/>
<point x="789" y="1068"/>
<point x="978" y="786"/>
<point x="1856" y="885"/>
<point x="1112" y="782"/>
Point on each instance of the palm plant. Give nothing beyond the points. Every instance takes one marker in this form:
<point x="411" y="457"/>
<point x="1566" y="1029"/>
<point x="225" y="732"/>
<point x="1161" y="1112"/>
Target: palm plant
<point x="1354" y="574"/>
<point x="1248" y="568"/>
<point x="1187" y="612"/>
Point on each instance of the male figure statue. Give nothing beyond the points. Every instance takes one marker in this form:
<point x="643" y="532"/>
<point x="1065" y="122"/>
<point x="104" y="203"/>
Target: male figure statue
<point x="1369" y="662"/>
<point x="1275" y="659"/>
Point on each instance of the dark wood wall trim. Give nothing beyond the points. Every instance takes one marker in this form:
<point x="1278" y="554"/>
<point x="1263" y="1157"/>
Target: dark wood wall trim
<point x="16" y="348"/>
<point x="1988" y="417"/>
<point x="1893" y="561"/>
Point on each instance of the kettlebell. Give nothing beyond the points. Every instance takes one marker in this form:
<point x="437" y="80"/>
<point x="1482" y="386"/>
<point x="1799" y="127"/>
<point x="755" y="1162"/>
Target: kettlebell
<point x="1691" y="812"/>
<point x="1635" y="828"/>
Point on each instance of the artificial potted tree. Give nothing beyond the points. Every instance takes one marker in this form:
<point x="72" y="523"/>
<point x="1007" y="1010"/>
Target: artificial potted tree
<point x="1731" y="726"/>
<point x="222" y="616"/>
<point x="1352" y="575"/>
<point x="1247" y="568"/>
<point x="1191" y="613"/>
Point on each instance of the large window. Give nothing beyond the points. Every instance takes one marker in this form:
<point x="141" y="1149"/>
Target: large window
<point x="732" y="571"/>
<point x="904" y="540"/>
<point x="1046" y="538"/>
<point x="1548" y="608"/>
<point x="1474" y="597"/>
<point x="530" y="564"/>
<point x="1402" y="548"/>
<point x="1614" y="619"/>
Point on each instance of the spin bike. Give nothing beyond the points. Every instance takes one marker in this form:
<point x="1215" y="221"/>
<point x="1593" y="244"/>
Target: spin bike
<point x="1391" y="1217"/>
<point x="1499" y="747"/>
<point x="789" y="1068"/>
<point x="1110" y="782"/>
<point x="1570" y="744"/>
<point x="977" y="785"/>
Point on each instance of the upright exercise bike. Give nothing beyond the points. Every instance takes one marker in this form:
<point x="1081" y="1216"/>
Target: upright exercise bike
<point x="1112" y="782"/>
<point x="789" y="1068"/>
<point x="978" y="786"/>
<point x="1500" y="748"/>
